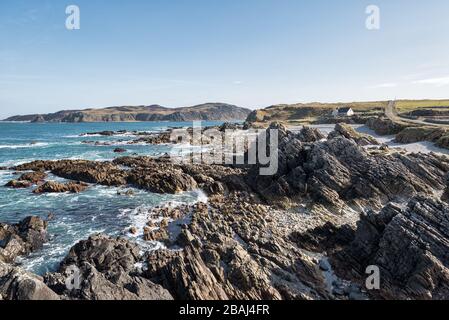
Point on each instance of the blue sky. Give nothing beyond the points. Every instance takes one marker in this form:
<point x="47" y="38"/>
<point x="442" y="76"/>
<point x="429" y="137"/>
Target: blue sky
<point x="252" y="53"/>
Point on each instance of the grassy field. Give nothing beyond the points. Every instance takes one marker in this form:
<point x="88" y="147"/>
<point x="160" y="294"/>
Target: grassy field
<point x="410" y="105"/>
<point x="310" y="112"/>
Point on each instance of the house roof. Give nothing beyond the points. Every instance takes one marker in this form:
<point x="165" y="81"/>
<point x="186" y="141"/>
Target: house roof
<point x="341" y="110"/>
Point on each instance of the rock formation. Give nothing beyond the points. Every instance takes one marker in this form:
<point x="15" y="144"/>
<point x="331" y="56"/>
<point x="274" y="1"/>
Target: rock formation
<point x="21" y="239"/>
<point x="107" y="270"/>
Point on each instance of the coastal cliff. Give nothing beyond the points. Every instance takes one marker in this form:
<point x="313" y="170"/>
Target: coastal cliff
<point x="205" y="112"/>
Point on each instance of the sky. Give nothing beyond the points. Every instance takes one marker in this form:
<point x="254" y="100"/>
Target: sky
<point x="252" y="53"/>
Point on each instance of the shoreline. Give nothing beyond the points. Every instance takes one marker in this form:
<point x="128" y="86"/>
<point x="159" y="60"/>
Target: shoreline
<point x="244" y="224"/>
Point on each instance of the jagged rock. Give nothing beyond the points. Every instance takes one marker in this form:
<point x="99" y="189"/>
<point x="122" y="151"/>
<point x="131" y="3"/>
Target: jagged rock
<point x="155" y="235"/>
<point x="21" y="239"/>
<point x="230" y="253"/>
<point x="107" y="272"/>
<point x="415" y="134"/>
<point x="17" y="284"/>
<point x="409" y="245"/>
<point x="384" y="126"/>
<point x="308" y="134"/>
<point x="56" y="187"/>
<point x="338" y="171"/>
<point x="119" y="150"/>
<point x="162" y="182"/>
<point x="348" y="132"/>
<point x="108" y="255"/>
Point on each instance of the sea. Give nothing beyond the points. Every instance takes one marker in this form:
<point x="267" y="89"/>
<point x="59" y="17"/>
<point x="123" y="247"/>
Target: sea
<point x="99" y="209"/>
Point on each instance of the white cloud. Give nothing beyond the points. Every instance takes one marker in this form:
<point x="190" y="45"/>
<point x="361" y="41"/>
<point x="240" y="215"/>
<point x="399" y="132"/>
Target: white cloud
<point x="439" y="82"/>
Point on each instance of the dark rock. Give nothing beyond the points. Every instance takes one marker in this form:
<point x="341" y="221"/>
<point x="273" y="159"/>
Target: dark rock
<point x="23" y="238"/>
<point x="18" y="184"/>
<point x="348" y="132"/>
<point x="56" y="187"/>
<point x="337" y="172"/>
<point x="215" y="263"/>
<point x="384" y="126"/>
<point x="120" y="150"/>
<point x="410" y="247"/>
<point x="107" y="269"/>
<point x="33" y="177"/>
<point x="17" y="284"/>
<point x="308" y="134"/>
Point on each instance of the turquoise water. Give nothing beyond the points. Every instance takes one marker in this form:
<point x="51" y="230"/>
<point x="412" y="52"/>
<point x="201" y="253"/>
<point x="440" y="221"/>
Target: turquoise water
<point x="76" y="216"/>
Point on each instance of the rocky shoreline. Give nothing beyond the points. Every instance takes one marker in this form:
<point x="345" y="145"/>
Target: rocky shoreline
<point x="333" y="208"/>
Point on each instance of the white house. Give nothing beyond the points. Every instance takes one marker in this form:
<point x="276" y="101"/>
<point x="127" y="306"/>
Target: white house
<point x="343" y="112"/>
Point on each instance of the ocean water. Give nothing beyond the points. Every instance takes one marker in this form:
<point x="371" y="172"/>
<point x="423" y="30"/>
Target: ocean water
<point x="98" y="209"/>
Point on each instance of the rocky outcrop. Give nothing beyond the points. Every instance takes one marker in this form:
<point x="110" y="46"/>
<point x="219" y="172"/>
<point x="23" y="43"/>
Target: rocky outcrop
<point x="56" y="187"/>
<point x="17" y="284"/>
<point x="107" y="271"/>
<point x="384" y="126"/>
<point x="416" y="134"/>
<point x="233" y="250"/>
<point x="26" y="180"/>
<point x="409" y="244"/>
<point x="103" y="173"/>
<point x="348" y="132"/>
<point x="23" y="238"/>
<point x="339" y="172"/>
<point x="308" y="134"/>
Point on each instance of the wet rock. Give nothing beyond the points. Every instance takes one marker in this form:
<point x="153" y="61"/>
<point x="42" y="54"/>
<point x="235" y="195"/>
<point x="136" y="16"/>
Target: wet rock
<point x="27" y="236"/>
<point x="56" y="187"/>
<point x="103" y="173"/>
<point x="106" y="267"/>
<point x="160" y="234"/>
<point x="162" y="182"/>
<point x="106" y="133"/>
<point x="120" y="150"/>
<point x="129" y="192"/>
<point x="19" y="184"/>
<point x="33" y="177"/>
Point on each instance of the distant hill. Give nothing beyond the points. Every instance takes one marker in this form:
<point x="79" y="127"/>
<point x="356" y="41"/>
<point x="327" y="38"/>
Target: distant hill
<point x="206" y="112"/>
<point x="308" y="112"/>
